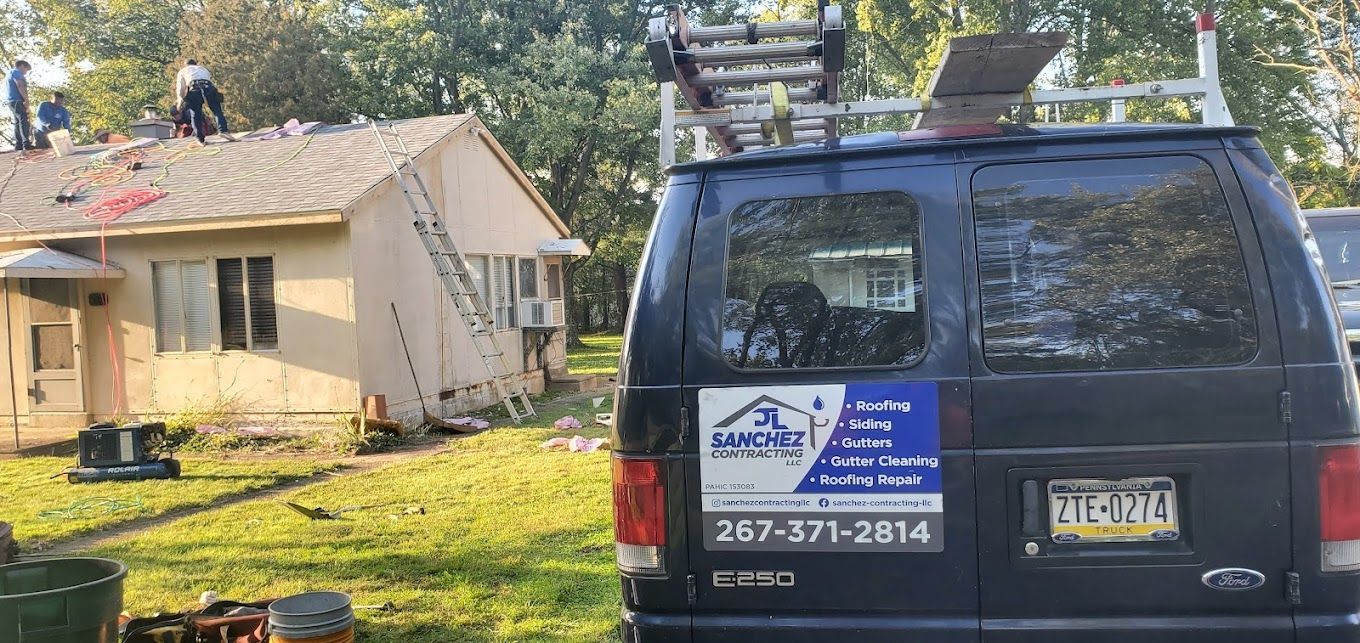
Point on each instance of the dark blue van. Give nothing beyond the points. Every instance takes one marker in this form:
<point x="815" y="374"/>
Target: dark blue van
<point x="1055" y="384"/>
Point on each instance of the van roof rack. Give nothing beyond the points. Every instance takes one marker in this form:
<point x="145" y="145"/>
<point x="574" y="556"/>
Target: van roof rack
<point x="768" y="84"/>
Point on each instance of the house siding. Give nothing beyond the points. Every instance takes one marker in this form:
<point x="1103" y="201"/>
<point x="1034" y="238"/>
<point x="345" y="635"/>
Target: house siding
<point x="487" y="212"/>
<point x="311" y="376"/>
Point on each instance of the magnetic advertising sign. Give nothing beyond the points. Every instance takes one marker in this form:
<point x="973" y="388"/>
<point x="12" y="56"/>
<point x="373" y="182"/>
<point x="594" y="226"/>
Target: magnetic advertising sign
<point x="830" y="467"/>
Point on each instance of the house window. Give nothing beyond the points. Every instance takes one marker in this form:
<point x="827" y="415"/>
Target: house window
<point x="495" y="280"/>
<point x="528" y="278"/>
<point x="554" y="271"/>
<point x="245" y="303"/>
<point x="503" y="292"/>
<point x="180" y="298"/>
<point x="890" y="289"/>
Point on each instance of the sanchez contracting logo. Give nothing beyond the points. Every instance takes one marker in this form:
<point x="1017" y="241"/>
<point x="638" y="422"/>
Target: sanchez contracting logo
<point x="767" y="428"/>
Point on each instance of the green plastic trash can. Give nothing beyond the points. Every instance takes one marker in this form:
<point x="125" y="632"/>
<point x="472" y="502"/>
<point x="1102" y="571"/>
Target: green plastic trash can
<point x="61" y="600"/>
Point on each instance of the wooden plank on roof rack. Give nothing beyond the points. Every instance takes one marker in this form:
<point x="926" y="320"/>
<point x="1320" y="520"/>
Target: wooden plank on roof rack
<point x="978" y="75"/>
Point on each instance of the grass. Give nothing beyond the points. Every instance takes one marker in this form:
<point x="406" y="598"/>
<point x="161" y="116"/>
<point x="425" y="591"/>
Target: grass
<point x="599" y="357"/>
<point x="516" y="545"/>
<point x="26" y="491"/>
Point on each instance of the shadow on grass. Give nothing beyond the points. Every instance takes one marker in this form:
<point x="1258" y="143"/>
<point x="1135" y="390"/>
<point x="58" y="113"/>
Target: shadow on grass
<point x="554" y="586"/>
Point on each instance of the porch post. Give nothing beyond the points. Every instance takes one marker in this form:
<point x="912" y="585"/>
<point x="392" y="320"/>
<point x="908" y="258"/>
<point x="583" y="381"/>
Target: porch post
<point x="9" y="350"/>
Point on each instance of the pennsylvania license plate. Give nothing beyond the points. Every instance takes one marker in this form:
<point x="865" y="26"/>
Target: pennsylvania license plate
<point x="1128" y="510"/>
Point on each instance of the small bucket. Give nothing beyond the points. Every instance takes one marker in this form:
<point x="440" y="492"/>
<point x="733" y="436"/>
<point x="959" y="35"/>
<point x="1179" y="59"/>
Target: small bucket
<point x="313" y="617"/>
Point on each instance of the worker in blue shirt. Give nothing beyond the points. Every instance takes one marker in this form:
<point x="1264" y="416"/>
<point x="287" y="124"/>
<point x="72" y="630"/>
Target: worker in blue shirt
<point x="14" y="94"/>
<point x="52" y="116"/>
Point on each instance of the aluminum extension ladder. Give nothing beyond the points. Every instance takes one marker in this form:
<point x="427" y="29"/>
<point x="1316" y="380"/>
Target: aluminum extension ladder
<point x="452" y="270"/>
<point x="792" y="71"/>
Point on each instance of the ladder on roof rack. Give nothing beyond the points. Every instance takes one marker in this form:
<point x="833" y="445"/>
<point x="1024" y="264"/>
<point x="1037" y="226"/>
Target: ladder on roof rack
<point x="452" y="270"/>
<point x="789" y="94"/>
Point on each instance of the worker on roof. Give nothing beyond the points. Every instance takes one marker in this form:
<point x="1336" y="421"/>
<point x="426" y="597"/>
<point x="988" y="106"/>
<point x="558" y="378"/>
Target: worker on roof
<point x="193" y="90"/>
<point x="52" y="116"/>
<point x="14" y="94"/>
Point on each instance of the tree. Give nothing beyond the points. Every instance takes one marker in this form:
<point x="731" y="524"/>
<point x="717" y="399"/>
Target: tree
<point x="117" y="53"/>
<point x="269" y="59"/>
<point x="1331" y="98"/>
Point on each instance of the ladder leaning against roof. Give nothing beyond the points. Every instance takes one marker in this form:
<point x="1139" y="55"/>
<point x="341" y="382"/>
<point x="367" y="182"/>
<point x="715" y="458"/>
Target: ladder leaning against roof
<point x="452" y="270"/>
<point x="978" y="79"/>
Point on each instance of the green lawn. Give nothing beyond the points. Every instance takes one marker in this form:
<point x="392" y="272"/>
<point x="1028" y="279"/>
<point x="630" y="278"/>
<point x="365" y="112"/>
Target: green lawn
<point x="599" y="357"/>
<point x="26" y="491"/>
<point x="516" y="545"/>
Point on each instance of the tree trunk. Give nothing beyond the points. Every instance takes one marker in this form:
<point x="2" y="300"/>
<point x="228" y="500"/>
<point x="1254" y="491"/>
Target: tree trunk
<point x="620" y="274"/>
<point x="573" y="305"/>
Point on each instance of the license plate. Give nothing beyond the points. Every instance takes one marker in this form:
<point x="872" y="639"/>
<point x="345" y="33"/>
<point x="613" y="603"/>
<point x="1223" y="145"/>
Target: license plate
<point x="1128" y="510"/>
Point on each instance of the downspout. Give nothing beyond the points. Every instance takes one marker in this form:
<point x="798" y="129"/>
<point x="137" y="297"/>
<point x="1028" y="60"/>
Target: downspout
<point x="9" y="348"/>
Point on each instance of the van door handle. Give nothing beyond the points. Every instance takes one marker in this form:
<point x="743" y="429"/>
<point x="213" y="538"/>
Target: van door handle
<point x="1029" y="509"/>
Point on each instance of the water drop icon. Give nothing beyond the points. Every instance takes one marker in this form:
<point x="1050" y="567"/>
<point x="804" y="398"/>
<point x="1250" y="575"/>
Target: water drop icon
<point x="817" y="403"/>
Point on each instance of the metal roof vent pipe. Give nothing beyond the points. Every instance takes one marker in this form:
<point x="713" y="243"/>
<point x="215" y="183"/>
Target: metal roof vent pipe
<point x="152" y="124"/>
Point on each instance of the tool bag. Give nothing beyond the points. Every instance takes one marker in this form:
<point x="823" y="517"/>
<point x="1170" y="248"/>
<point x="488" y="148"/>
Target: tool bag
<point x="221" y="622"/>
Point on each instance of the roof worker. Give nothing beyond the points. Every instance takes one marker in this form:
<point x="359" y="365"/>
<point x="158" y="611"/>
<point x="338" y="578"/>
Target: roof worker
<point x="14" y="94"/>
<point x="193" y="90"/>
<point x="52" y="116"/>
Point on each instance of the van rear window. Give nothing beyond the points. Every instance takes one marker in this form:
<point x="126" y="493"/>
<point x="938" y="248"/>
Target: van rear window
<point x="1109" y="264"/>
<point x="824" y="282"/>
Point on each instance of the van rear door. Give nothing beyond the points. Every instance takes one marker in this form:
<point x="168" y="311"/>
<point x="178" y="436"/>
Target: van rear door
<point x="1132" y="464"/>
<point x="829" y="464"/>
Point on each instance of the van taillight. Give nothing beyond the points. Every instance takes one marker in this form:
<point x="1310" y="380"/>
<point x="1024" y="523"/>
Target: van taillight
<point x="1339" y="499"/>
<point x="640" y="513"/>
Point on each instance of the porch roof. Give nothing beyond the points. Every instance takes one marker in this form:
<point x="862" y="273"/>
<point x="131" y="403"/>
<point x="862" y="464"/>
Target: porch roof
<point x="46" y="263"/>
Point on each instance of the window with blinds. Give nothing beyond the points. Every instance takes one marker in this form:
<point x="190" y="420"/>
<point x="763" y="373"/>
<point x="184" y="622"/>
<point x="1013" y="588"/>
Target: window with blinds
<point x="245" y="304"/>
<point x="503" y="283"/>
<point x="180" y="297"/>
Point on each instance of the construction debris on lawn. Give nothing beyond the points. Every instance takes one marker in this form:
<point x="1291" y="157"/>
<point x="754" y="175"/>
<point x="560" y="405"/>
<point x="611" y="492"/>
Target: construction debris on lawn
<point x="469" y="421"/>
<point x="576" y="444"/>
<point x="567" y="423"/>
<point x="321" y="513"/>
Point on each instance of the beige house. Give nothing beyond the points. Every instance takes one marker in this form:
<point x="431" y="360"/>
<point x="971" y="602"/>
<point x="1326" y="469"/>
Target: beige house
<point x="266" y="278"/>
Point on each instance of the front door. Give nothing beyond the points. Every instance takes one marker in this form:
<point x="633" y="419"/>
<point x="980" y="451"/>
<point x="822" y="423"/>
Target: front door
<point x="1132" y="464"/>
<point x="53" y="342"/>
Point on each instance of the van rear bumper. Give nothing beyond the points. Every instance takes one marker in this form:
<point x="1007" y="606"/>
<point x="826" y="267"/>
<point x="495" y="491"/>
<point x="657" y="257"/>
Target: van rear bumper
<point x="641" y="627"/>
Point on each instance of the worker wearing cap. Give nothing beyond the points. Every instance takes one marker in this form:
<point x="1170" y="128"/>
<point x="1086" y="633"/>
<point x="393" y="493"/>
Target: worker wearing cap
<point x="52" y="116"/>
<point x="193" y="90"/>
<point x="14" y="94"/>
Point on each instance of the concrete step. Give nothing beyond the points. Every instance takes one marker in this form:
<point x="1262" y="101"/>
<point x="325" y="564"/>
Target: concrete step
<point x="574" y="382"/>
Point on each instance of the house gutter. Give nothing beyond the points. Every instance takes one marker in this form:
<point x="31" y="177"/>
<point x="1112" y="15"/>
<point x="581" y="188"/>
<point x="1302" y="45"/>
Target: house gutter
<point x="166" y="227"/>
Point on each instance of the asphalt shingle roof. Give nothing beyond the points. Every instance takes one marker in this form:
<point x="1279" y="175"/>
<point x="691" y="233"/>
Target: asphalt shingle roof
<point x="295" y="174"/>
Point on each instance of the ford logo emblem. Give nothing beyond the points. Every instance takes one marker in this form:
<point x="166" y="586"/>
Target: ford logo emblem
<point x="1066" y="537"/>
<point x="1166" y="534"/>
<point x="1234" y="579"/>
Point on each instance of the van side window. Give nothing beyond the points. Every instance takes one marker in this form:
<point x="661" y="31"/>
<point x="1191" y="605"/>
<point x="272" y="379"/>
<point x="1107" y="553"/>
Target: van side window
<point x="821" y="282"/>
<point x="1109" y="264"/>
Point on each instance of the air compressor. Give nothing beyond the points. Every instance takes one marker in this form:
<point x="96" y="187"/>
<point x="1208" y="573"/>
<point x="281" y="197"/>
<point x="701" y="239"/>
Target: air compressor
<point x="134" y="451"/>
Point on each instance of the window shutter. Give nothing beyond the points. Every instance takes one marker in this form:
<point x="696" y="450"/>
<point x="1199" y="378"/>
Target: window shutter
<point x="165" y="292"/>
<point x="197" y="310"/>
<point x="231" y="304"/>
<point x="264" y="333"/>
